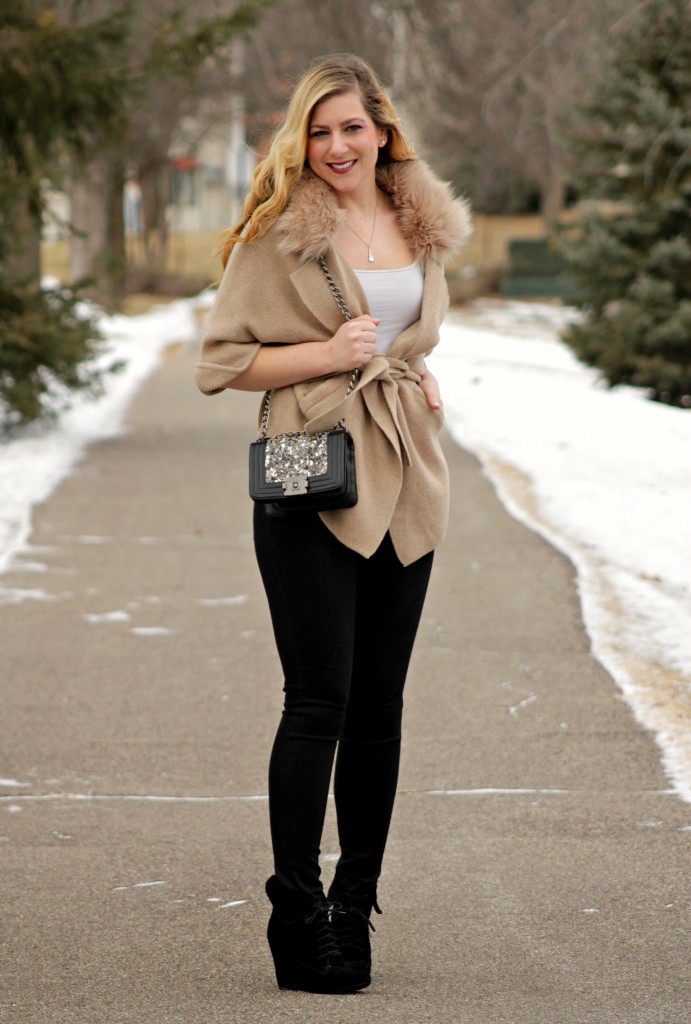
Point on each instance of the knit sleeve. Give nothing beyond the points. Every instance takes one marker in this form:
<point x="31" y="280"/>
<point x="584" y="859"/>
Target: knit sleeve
<point x="230" y="341"/>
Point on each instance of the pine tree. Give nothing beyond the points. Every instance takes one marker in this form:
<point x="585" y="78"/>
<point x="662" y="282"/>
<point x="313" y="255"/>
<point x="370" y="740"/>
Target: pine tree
<point x="60" y="89"/>
<point x="631" y="255"/>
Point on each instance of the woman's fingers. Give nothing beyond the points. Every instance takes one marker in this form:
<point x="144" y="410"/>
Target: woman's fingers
<point x="364" y="329"/>
<point x="430" y="388"/>
<point x="354" y="342"/>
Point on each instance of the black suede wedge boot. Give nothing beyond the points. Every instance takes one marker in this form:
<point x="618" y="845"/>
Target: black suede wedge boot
<point x="350" y="917"/>
<point x="304" y="947"/>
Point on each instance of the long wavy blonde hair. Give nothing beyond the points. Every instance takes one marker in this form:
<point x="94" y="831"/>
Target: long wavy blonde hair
<point x="275" y="176"/>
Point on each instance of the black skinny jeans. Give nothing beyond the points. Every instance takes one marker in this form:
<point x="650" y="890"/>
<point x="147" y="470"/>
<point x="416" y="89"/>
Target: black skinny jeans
<point x="344" y="627"/>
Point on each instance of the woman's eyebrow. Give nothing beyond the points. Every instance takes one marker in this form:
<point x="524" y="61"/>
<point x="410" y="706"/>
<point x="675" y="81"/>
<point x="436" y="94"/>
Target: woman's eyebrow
<point x="348" y="120"/>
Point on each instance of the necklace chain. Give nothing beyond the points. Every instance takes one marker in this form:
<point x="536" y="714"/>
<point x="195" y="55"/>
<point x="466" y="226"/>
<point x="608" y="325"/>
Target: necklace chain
<point x="368" y="245"/>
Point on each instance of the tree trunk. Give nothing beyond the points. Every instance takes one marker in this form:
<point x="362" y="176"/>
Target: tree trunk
<point x="97" y="248"/>
<point x="553" y="196"/>
<point x="155" y="190"/>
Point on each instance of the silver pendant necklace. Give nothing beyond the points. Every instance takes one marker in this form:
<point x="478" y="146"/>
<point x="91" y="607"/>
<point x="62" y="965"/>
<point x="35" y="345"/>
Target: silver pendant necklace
<point x="368" y="245"/>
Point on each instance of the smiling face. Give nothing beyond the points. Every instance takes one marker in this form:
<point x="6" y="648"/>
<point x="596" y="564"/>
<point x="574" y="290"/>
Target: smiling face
<point x="344" y="143"/>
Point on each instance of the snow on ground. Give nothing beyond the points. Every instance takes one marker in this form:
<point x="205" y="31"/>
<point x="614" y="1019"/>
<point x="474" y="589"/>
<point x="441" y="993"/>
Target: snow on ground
<point x="35" y="460"/>
<point x="604" y="475"/>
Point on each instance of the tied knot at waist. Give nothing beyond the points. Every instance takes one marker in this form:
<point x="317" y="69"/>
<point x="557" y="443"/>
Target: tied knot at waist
<point x="382" y="367"/>
<point x="326" y="403"/>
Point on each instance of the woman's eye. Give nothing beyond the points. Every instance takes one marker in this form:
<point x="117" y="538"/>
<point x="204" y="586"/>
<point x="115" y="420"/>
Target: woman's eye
<point x="318" y="134"/>
<point x="353" y="127"/>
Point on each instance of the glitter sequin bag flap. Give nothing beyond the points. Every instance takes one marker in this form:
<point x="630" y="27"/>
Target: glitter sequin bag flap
<point x="300" y="471"/>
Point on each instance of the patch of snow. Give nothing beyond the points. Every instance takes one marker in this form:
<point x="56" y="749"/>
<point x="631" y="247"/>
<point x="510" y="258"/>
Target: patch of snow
<point x="35" y="460"/>
<point x="15" y="595"/>
<point x="605" y="476"/>
<point x="117" y="616"/>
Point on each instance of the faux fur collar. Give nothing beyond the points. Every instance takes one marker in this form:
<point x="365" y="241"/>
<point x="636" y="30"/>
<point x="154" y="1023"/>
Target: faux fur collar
<point x="435" y="224"/>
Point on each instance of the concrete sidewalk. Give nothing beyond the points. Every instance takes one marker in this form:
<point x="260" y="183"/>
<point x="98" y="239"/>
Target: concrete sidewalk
<point x="538" y="866"/>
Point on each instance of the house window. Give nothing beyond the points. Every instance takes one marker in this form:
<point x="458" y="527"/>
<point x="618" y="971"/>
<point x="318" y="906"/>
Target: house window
<point x="183" y="181"/>
<point x="213" y="176"/>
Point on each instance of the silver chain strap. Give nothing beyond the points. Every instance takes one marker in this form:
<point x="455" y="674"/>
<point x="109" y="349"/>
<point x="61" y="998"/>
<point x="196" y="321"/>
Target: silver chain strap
<point x="354" y="375"/>
<point x="334" y="288"/>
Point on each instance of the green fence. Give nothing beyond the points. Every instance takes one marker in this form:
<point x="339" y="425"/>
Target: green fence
<point x="537" y="269"/>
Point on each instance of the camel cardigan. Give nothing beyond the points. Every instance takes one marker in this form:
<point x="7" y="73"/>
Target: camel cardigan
<point x="274" y="292"/>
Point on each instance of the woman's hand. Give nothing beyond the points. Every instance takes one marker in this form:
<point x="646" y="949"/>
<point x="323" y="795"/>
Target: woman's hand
<point x="430" y="388"/>
<point x="353" y="344"/>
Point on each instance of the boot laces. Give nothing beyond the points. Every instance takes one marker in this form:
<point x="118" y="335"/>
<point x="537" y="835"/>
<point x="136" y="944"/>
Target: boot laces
<point x="326" y="943"/>
<point x="353" y="925"/>
<point x="337" y="910"/>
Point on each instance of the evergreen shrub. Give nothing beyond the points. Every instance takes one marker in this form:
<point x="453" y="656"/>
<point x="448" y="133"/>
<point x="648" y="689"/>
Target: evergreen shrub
<point x="631" y="253"/>
<point x="47" y="349"/>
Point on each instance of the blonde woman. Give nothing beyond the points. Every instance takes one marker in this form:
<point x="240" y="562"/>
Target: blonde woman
<point x="345" y="588"/>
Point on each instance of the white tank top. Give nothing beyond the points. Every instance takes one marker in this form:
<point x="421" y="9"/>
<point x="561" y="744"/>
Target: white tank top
<point x="395" y="298"/>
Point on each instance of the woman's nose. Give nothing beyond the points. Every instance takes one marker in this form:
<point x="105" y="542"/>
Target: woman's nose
<point x="339" y="143"/>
